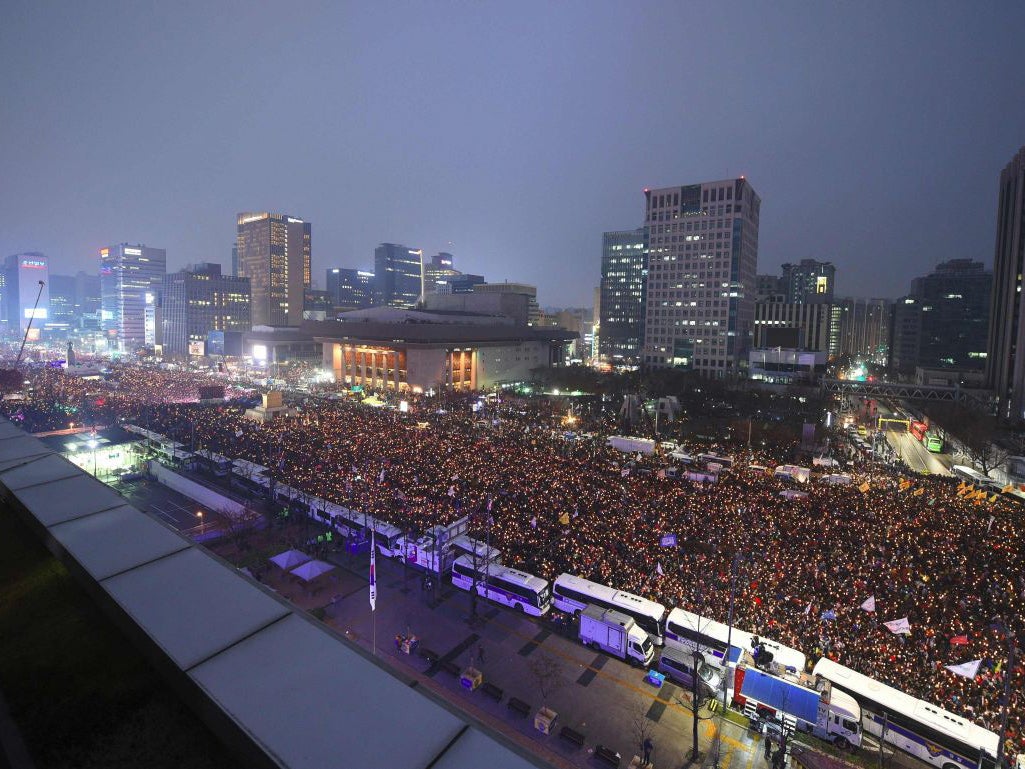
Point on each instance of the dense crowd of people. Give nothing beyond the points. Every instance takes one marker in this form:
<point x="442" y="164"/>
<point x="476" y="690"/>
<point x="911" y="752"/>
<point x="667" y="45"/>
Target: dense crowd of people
<point x="951" y="565"/>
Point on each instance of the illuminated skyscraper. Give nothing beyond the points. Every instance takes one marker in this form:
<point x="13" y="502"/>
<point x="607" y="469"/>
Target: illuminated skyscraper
<point x="702" y="260"/>
<point x="21" y="286"/>
<point x="127" y="274"/>
<point x="624" y="271"/>
<point x="274" y="253"/>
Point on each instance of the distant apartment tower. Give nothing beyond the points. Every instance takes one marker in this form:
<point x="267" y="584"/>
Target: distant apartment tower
<point x="350" y="289"/>
<point x="128" y="273"/>
<point x="1005" y="369"/>
<point x="792" y="325"/>
<point x="438" y="272"/>
<point x="624" y="274"/>
<point x="702" y="264"/>
<point x="861" y="329"/>
<point x="198" y="300"/>
<point x="770" y="288"/>
<point x="398" y="275"/>
<point x="22" y="274"/>
<point x="944" y="320"/>
<point x="809" y="282"/>
<point x="274" y="253"/>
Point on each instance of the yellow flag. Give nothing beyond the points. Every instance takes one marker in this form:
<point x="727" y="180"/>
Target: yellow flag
<point x="993" y="498"/>
<point x="961" y="486"/>
<point x="564" y="519"/>
<point x="963" y="490"/>
<point x="904" y="484"/>
<point x="1007" y="488"/>
<point x="978" y="501"/>
<point x="864" y="487"/>
<point x="918" y="492"/>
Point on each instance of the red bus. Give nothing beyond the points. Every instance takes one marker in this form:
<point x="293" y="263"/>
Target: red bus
<point x="918" y="430"/>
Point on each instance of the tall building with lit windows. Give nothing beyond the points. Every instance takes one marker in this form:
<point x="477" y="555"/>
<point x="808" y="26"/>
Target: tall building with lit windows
<point x="274" y="253"/>
<point x="1005" y="361"/>
<point x="624" y="272"/>
<point x="27" y="287"/>
<point x="198" y="300"/>
<point x="398" y="275"/>
<point x="702" y="267"/>
<point x="128" y="274"/>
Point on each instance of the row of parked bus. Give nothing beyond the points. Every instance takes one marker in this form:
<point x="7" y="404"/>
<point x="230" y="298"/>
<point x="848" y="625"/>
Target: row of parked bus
<point x="935" y="736"/>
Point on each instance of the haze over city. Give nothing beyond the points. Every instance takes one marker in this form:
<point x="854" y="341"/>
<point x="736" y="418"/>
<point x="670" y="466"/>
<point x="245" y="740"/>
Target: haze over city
<point x="510" y="135"/>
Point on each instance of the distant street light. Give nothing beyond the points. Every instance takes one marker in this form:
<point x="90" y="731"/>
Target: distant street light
<point x="200" y="516"/>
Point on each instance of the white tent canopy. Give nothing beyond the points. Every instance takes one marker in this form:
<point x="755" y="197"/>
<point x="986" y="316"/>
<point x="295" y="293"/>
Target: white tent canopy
<point x="310" y="570"/>
<point x="289" y="559"/>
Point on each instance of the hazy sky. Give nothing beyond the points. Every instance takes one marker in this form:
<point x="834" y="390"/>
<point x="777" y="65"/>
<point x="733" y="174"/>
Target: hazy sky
<point x="511" y="134"/>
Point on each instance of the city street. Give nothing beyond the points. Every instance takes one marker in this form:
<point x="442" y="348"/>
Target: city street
<point x="916" y="455"/>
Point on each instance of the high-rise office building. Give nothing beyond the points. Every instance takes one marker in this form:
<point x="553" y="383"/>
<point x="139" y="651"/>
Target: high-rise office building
<point x="64" y="311"/>
<point x="87" y="300"/>
<point x="860" y="329"/>
<point x="792" y="325"/>
<point x="438" y="273"/>
<point x="770" y="288"/>
<point x="127" y="274"/>
<point x="1005" y="359"/>
<point x="274" y="253"/>
<point x="198" y="300"/>
<point x="624" y="273"/>
<point x="350" y="289"/>
<point x="702" y="263"/>
<point x="26" y="280"/>
<point x="944" y="320"/>
<point x="809" y="282"/>
<point x="398" y="275"/>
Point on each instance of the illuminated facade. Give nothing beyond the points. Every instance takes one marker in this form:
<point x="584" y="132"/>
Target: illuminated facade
<point x="702" y="260"/>
<point x="398" y="275"/>
<point x="273" y="251"/>
<point x="127" y="274"/>
<point x="198" y="300"/>
<point x="624" y="274"/>
<point x="422" y="350"/>
<point x="22" y="274"/>
<point x="438" y="273"/>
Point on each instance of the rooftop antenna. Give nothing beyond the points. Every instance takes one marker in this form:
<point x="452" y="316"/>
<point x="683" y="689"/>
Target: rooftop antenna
<point x="29" y="326"/>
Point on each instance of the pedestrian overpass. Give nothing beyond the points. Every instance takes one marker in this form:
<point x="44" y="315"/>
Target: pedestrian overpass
<point x="974" y="399"/>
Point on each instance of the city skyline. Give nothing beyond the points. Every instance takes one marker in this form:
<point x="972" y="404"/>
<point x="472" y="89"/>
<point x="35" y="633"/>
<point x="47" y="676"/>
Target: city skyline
<point x="872" y="144"/>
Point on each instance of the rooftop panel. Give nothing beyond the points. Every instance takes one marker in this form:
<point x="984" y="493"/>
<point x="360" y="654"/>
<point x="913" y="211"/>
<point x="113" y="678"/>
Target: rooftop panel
<point x="326" y="689"/>
<point x="192" y="606"/>
<point x="111" y="542"/>
<point x="54" y="502"/>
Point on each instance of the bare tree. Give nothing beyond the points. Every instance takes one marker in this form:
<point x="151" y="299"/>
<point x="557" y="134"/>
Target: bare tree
<point x="548" y="675"/>
<point x="641" y="728"/>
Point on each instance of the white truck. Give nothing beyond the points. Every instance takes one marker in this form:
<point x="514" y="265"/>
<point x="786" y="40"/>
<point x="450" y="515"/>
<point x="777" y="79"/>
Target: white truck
<point x="808" y="702"/>
<point x="615" y="633"/>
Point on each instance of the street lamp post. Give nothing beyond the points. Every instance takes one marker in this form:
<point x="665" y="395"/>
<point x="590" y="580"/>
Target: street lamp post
<point x="199" y="515"/>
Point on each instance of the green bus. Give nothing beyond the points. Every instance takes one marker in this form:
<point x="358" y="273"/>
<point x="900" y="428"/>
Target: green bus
<point x="934" y="443"/>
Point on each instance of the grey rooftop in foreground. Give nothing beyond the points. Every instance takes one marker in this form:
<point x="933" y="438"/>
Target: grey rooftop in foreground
<point x="282" y="689"/>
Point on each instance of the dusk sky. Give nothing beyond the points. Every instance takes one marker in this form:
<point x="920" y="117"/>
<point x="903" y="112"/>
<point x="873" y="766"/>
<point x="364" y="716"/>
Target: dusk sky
<point x="511" y="134"/>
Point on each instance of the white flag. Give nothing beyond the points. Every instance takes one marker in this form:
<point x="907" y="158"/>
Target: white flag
<point x="898" y="626"/>
<point x="373" y="573"/>
<point x="380" y="478"/>
<point x="807" y="609"/>
<point x="966" y="669"/>
<point x="658" y="569"/>
<point x="533" y="522"/>
<point x="869" y="604"/>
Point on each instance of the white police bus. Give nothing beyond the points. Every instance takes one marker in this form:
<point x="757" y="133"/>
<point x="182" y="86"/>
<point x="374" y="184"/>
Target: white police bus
<point x="511" y="587"/>
<point x="691" y="632"/>
<point x="572" y="594"/>
<point x="925" y="731"/>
